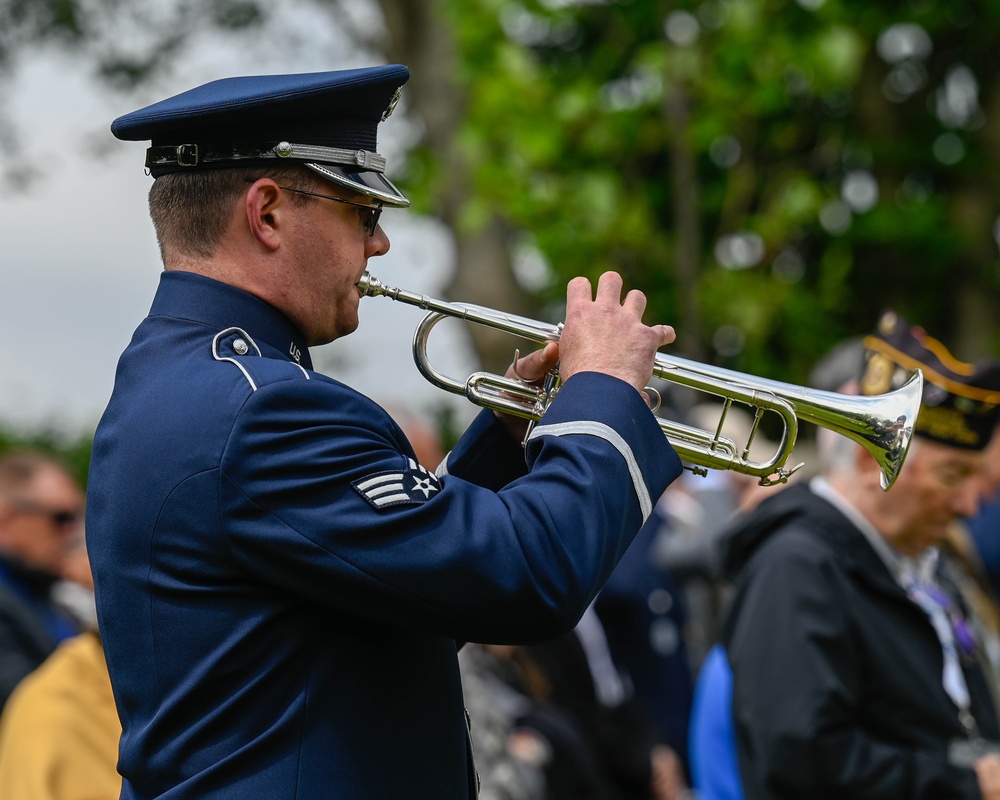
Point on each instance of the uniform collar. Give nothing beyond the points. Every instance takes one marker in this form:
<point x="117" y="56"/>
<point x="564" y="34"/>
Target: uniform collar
<point x="904" y="569"/>
<point x="194" y="297"/>
<point x="891" y="557"/>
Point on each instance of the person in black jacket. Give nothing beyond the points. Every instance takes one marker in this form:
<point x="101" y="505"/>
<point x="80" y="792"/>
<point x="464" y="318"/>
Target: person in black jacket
<point x="856" y="674"/>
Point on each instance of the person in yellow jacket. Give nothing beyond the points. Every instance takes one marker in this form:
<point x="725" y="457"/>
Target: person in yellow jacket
<point x="59" y="731"/>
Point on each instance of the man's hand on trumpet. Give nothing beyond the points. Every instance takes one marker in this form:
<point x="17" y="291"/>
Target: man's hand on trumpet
<point x="605" y="334"/>
<point x="602" y="334"/>
<point x="531" y="368"/>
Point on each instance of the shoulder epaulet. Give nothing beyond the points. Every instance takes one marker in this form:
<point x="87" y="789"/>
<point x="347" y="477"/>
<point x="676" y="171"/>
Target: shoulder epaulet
<point x="237" y="347"/>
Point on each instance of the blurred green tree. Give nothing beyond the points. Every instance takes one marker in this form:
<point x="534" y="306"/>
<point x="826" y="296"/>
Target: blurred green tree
<point x="772" y="173"/>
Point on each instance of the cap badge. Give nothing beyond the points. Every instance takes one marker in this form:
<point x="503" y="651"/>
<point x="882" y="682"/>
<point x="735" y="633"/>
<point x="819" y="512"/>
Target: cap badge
<point x="878" y="375"/>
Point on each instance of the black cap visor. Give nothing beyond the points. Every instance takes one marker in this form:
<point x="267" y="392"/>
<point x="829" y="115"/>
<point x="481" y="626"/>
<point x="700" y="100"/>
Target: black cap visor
<point x="367" y="182"/>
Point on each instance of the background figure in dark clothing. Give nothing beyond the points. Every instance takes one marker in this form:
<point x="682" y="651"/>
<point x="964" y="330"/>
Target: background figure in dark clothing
<point x="41" y="517"/>
<point x="694" y="512"/>
<point x="631" y="763"/>
<point x="643" y="613"/>
<point x="856" y="672"/>
<point x="527" y="748"/>
<point x="624" y="675"/>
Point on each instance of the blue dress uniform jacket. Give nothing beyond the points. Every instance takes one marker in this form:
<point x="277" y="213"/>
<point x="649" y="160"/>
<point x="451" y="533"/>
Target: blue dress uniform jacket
<point x="282" y="590"/>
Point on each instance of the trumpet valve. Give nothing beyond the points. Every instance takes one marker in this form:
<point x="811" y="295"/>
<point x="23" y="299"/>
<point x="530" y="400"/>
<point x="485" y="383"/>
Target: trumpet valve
<point x="780" y="476"/>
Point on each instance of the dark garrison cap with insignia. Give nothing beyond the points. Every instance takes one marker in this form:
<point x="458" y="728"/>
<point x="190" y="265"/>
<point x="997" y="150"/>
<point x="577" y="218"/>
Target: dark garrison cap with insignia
<point x="327" y="121"/>
<point x="961" y="402"/>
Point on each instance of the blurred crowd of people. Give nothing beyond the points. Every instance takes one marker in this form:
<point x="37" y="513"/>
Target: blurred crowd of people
<point x="714" y="664"/>
<point x="59" y="727"/>
<point x="830" y="640"/>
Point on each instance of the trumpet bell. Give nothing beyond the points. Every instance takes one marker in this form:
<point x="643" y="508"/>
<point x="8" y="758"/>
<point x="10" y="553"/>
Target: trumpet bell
<point x="882" y="424"/>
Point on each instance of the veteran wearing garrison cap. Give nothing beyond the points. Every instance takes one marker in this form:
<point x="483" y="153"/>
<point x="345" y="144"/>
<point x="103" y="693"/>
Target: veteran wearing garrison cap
<point x="282" y="589"/>
<point x="856" y="671"/>
<point x="960" y="401"/>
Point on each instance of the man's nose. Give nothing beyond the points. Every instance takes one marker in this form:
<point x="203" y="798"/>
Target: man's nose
<point x="378" y="243"/>
<point x="965" y="501"/>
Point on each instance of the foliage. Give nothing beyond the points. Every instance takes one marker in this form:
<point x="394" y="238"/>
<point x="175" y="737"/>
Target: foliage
<point x="838" y="155"/>
<point x="126" y="41"/>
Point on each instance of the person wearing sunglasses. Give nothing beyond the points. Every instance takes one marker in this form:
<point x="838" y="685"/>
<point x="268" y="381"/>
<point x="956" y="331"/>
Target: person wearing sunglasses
<point x="282" y="586"/>
<point x="41" y="518"/>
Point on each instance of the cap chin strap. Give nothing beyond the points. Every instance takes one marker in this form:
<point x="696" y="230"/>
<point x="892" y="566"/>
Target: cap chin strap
<point x="194" y="155"/>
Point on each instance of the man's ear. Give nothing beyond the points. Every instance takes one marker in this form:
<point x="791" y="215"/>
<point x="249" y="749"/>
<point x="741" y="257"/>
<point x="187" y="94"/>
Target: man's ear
<point x="265" y="207"/>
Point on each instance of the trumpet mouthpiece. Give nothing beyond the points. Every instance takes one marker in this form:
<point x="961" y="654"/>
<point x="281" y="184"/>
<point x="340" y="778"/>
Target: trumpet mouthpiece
<point x="370" y="286"/>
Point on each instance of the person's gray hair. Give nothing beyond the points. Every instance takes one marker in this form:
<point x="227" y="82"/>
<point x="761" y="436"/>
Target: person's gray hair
<point x="835" y="453"/>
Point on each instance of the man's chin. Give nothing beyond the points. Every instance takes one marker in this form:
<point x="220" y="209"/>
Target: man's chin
<point x="346" y="325"/>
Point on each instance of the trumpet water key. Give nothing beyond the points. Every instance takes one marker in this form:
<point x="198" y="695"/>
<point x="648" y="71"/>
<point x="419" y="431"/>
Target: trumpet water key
<point x="882" y="424"/>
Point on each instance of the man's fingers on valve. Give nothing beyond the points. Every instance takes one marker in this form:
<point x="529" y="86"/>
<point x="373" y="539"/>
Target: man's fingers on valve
<point x="609" y="289"/>
<point x="579" y="291"/>
<point x="534" y="366"/>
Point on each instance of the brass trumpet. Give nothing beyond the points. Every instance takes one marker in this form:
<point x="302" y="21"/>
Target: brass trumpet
<point x="882" y="424"/>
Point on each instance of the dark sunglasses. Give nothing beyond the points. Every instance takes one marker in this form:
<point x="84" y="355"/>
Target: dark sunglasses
<point x="61" y="518"/>
<point x="374" y="209"/>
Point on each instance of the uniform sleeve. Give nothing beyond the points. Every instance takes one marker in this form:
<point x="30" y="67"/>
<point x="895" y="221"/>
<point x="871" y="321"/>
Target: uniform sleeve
<point x="486" y="455"/>
<point x="320" y="498"/>
<point x="796" y="691"/>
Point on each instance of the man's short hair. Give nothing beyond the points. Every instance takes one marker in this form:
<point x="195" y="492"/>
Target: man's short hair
<point x="191" y="210"/>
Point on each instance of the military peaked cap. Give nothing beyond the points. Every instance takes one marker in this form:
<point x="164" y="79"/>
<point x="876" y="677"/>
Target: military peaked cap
<point x="327" y="121"/>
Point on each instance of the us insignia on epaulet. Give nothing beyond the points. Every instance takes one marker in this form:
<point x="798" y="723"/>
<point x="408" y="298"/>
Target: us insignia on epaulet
<point x="396" y="488"/>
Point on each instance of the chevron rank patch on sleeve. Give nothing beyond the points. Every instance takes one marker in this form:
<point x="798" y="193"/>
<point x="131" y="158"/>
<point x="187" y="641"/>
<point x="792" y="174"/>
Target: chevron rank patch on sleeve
<point x="411" y="486"/>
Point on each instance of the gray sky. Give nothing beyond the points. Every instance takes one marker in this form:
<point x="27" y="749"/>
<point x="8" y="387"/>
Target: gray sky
<point x="80" y="264"/>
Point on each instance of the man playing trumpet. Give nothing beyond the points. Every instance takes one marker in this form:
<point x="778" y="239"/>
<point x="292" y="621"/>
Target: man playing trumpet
<point x="282" y="588"/>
